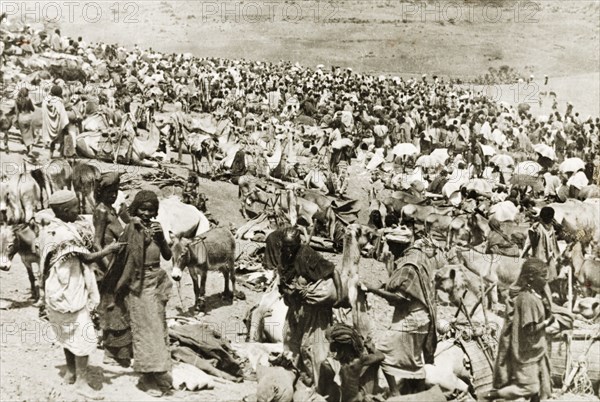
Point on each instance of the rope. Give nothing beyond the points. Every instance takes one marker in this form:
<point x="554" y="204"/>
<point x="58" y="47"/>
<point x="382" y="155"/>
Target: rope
<point x="578" y="379"/>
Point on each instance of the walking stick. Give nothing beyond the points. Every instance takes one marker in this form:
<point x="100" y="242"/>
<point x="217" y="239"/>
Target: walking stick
<point x="481" y="300"/>
<point x="483" y="294"/>
<point x="461" y="304"/>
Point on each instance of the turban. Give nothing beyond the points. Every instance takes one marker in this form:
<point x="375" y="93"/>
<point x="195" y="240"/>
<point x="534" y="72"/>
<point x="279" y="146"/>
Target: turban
<point x="62" y="197"/>
<point x="143" y="197"/>
<point x="343" y="334"/>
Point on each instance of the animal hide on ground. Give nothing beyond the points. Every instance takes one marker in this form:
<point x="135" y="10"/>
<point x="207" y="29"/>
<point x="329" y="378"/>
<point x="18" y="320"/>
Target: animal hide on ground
<point x="205" y="340"/>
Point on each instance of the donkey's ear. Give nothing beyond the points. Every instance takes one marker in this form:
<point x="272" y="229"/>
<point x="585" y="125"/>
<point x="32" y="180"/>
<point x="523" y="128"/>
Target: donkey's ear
<point x="33" y="225"/>
<point x="452" y="274"/>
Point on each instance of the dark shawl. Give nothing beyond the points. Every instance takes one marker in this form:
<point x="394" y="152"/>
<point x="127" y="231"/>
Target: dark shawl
<point x="238" y="166"/>
<point x="128" y="265"/>
<point x="272" y="257"/>
<point x="24" y="105"/>
<point x="414" y="278"/>
<point x="311" y="265"/>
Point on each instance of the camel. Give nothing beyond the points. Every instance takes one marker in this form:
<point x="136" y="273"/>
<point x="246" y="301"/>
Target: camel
<point x="398" y="200"/>
<point x="326" y="207"/>
<point x="131" y="146"/>
<point x="85" y="182"/>
<point x="20" y="197"/>
<point x="265" y="320"/>
<point x="462" y="287"/>
<point x="295" y="208"/>
<point x="354" y="297"/>
<point x="494" y="269"/>
<point x="479" y="226"/>
<point x="460" y="283"/>
<point x="20" y="239"/>
<point x="438" y="221"/>
<point x="585" y="269"/>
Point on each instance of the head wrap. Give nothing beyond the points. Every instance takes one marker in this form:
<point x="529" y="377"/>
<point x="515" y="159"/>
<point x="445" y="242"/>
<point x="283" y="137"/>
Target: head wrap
<point x="343" y="334"/>
<point x="62" y="197"/>
<point x="143" y="197"/>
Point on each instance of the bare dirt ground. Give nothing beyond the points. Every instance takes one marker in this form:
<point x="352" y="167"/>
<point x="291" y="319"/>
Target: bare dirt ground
<point x="374" y="37"/>
<point x="31" y="365"/>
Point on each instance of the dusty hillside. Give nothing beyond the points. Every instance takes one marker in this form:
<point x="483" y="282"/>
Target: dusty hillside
<point x="460" y="39"/>
<point x="457" y="39"/>
<point x="370" y="36"/>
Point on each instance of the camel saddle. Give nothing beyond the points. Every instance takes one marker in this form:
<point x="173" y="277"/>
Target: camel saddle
<point x="114" y="142"/>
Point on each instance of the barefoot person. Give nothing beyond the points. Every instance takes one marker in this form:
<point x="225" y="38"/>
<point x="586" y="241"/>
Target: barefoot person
<point x="114" y="321"/>
<point x="522" y="368"/>
<point x="411" y="339"/>
<point x="355" y="366"/>
<point x="303" y="277"/>
<point x="542" y="243"/>
<point x="70" y="286"/>
<point x="54" y="120"/>
<point x="145" y="287"/>
<point x="24" y="112"/>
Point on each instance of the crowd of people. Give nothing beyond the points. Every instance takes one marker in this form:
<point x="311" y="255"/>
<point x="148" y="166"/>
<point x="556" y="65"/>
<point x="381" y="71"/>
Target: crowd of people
<point x="334" y="116"/>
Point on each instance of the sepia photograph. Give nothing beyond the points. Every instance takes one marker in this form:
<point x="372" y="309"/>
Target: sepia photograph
<point x="300" y="200"/>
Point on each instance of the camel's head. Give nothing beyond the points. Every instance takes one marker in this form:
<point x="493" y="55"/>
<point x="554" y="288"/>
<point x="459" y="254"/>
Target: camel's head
<point x="359" y="234"/>
<point x="299" y="191"/>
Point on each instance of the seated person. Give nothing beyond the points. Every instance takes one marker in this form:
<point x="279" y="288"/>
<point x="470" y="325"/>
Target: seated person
<point x="351" y="374"/>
